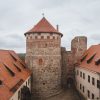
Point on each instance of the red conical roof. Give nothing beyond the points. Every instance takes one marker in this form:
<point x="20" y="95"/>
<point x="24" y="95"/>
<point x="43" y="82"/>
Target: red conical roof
<point x="43" y="26"/>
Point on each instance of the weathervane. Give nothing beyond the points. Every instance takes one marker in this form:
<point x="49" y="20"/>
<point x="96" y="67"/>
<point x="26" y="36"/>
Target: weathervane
<point x="43" y="14"/>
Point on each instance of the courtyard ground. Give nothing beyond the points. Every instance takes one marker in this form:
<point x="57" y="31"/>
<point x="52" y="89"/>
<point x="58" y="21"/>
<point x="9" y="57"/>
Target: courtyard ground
<point x="68" y="94"/>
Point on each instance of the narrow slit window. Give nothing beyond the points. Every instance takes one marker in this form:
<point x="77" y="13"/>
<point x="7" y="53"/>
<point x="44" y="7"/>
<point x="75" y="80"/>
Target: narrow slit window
<point x="91" y="58"/>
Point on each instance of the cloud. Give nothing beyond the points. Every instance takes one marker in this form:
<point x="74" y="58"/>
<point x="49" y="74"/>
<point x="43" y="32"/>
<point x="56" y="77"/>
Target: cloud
<point x="95" y="37"/>
<point x="75" y="17"/>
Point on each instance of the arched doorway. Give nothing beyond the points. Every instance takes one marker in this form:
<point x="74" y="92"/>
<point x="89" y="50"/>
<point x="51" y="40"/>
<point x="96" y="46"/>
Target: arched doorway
<point x="70" y="82"/>
<point x="25" y="93"/>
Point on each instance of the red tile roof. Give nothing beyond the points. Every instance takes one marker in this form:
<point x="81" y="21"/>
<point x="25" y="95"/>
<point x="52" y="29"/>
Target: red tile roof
<point x="11" y="83"/>
<point x="43" y="26"/>
<point x="90" y="57"/>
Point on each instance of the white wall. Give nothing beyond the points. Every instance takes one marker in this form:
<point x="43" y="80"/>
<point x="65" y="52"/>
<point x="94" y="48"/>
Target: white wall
<point x="87" y="86"/>
<point x="15" y="96"/>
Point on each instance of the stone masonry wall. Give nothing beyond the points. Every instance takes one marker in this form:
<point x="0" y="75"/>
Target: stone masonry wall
<point x="43" y="56"/>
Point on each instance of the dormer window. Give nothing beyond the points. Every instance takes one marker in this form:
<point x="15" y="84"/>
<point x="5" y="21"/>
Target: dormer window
<point x="13" y="57"/>
<point x="97" y="62"/>
<point x="1" y="82"/>
<point x="17" y="68"/>
<point x="84" y="57"/>
<point x="10" y="71"/>
<point x="91" y="58"/>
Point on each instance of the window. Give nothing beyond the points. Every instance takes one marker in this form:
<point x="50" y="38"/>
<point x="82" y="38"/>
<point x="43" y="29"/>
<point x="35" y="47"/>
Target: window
<point x="84" y="58"/>
<point x="88" y="78"/>
<point x="91" y="58"/>
<point x="93" y="81"/>
<point x="19" y="95"/>
<point x="48" y="37"/>
<point x="97" y="62"/>
<point x="88" y="94"/>
<point x="17" y="68"/>
<point x="10" y="71"/>
<point x="42" y="37"/>
<point x="80" y="74"/>
<point x="80" y="86"/>
<point x="98" y="84"/>
<point x="53" y="37"/>
<point x="0" y="82"/>
<point x="40" y="61"/>
<point x="92" y="96"/>
<point x="83" y="88"/>
<point x="28" y="81"/>
<point x="83" y="75"/>
<point x="35" y="37"/>
<point x="77" y="72"/>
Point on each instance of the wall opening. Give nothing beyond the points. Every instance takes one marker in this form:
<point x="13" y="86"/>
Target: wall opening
<point x="70" y="82"/>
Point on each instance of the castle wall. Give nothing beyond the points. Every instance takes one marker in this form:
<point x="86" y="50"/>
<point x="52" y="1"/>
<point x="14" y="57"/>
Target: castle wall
<point x="63" y="67"/>
<point x="43" y="57"/>
<point x="70" y="58"/>
<point x="78" y="47"/>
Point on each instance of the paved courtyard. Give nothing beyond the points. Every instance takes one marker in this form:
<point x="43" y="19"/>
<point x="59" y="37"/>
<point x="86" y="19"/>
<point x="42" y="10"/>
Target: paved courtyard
<point x="68" y="94"/>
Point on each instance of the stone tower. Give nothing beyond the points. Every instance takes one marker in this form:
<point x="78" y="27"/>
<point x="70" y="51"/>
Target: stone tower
<point x="78" y="47"/>
<point x="43" y="57"/>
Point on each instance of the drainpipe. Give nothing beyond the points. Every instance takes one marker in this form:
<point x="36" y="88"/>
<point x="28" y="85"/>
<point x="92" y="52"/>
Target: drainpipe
<point x="99" y="89"/>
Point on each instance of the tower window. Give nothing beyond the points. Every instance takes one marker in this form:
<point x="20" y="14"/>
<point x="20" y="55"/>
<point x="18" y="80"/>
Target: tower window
<point x="36" y="37"/>
<point x="42" y="37"/>
<point x="43" y="83"/>
<point x="53" y="37"/>
<point x="40" y="61"/>
<point x="48" y="37"/>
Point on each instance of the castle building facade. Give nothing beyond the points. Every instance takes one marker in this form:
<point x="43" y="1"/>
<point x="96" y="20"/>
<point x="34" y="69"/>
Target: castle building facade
<point x="88" y="73"/>
<point x="43" y="57"/>
<point x="14" y="77"/>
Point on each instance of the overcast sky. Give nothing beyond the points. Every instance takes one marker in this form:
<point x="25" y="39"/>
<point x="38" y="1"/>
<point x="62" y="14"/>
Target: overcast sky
<point x="74" y="17"/>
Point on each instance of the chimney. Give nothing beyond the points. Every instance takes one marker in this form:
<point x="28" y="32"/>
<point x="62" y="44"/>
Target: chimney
<point x="57" y="27"/>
